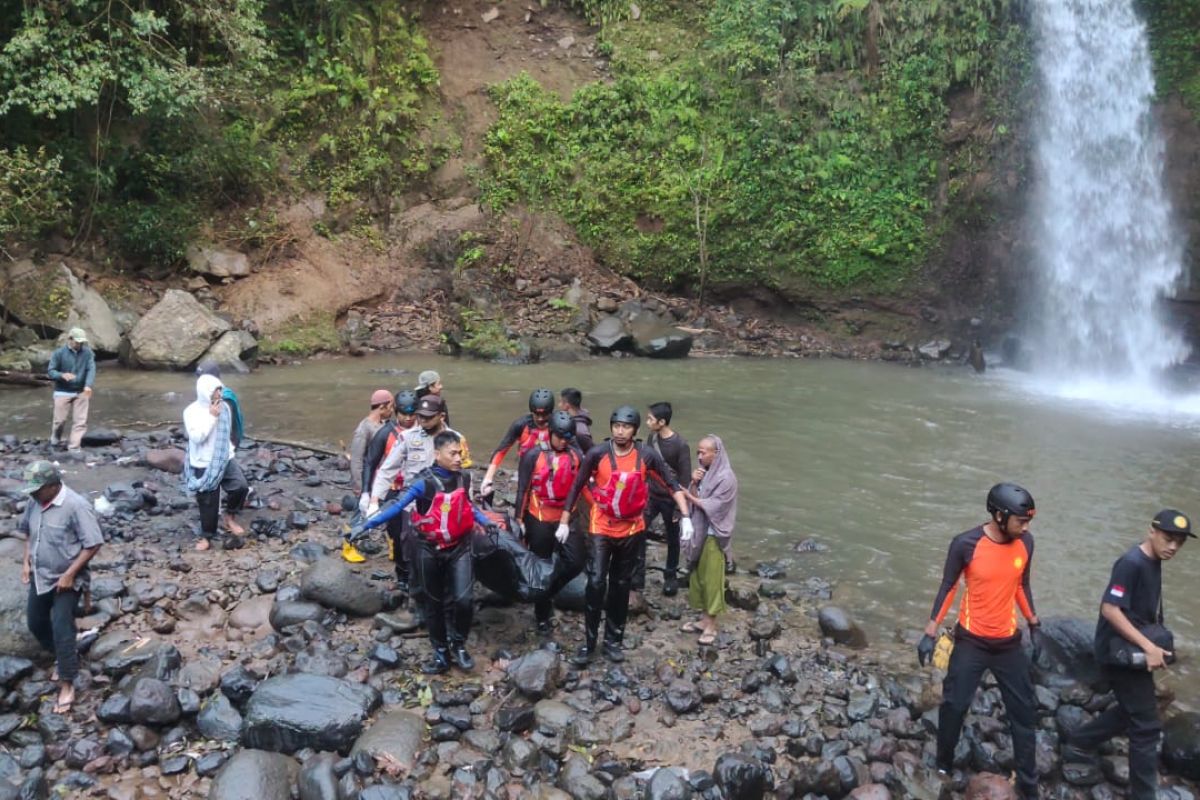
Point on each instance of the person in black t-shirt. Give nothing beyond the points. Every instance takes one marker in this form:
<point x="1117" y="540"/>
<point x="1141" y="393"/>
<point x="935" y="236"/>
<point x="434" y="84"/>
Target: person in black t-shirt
<point x="1133" y="599"/>
<point x="675" y="452"/>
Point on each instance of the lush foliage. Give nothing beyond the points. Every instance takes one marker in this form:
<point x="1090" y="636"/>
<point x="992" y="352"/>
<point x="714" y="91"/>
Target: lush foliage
<point x="1175" y="45"/>
<point x="789" y="141"/>
<point x="156" y="117"/>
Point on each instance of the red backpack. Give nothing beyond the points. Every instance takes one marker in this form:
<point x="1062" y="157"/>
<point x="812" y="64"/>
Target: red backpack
<point x="553" y="476"/>
<point x="625" y="495"/>
<point x="449" y="517"/>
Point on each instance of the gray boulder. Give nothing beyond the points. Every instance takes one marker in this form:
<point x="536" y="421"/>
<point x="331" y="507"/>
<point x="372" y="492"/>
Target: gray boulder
<point x="609" y="334"/>
<point x="1069" y="648"/>
<point x="536" y="674"/>
<point x="219" y="720"/>
<point x="168" y="459"/>
<point x="153" y="702"/>
<point x="51" y="300"/>
<point x="255" y="775"/>
<point x="318" y="780"/>
<point x="174" y="334"/>
<point x="290" y="712"/>
<point x="235" y="350"/>
<point x="1181" y="745"/>
<point x="396" y="734"/>
<point x="838" y="625"/>
<point x="331" y="583"/>
<point x="15" y="638"/>
<point x="218" y="262"/>
<point x="654" y="337"/>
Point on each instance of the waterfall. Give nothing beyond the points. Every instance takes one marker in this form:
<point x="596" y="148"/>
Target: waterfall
<point x="1106" y="247"/>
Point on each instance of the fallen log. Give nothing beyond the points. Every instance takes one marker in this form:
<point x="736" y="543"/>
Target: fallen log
<point x="18" y="378"/>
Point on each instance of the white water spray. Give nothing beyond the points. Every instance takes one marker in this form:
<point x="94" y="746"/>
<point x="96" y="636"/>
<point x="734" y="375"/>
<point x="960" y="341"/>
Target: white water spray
<point x="1106" y="245"/>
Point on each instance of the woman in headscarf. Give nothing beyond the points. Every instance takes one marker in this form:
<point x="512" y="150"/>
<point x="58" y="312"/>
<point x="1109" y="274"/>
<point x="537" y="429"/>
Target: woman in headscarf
<point x="210" y="466"/>
<point x="713" y="496"/>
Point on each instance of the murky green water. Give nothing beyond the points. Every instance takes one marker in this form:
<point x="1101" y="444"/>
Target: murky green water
<point x="884" y="464"/>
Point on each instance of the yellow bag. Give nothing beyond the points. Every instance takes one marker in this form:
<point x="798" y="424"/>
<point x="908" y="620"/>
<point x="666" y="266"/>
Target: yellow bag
<point x="942" y="650"/>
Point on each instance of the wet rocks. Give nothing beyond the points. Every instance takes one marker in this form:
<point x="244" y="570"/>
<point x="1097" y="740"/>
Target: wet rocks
<point x="219" y="720"/>
<point x="167" y="459"/>
<point x="13" y="668"/>
<point x="396" y="735"/>
<point x="153" y="702"/>
<point x="682" y="696"/>
<point x="291" y="712"/>
<point x="989" y="786"/>
<point x="536" y="674"/>
<point x="609" y="334"/>
<point x="1069" y="648"/>
<point x="255" y="775"/>
<point x="668" y="783"/>
<point x="1181" y="744"/>
<point x="741" y="777"/>
<point x="15" y="638"/>
<point x="515" y="719"/>
<point x="839" y="626"/>
<point x="296" y="612"/>
<point x="332" y="583"/>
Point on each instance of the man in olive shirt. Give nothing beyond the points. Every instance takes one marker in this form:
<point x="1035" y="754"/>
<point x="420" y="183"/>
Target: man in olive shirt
<point x="63" y="535"/>
<point x="73" y="370"/>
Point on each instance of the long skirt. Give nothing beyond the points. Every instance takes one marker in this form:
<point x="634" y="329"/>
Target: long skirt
<point x="706" y="586"/>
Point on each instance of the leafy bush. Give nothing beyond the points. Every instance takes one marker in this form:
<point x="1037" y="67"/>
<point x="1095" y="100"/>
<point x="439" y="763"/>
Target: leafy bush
<point x="33" y="193"/>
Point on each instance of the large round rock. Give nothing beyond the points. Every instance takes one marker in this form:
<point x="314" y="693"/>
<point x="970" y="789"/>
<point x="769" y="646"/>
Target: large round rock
<point x="837" y="625"/>
<point x="1181" y="745"/>
<point x="741" y="777"/>
<point x="15" y="638"/>
<point x="290" y="712"/>
<point x="397" y="735"/>
<point x="255" y="775"/>
<point x="331" y="583"/>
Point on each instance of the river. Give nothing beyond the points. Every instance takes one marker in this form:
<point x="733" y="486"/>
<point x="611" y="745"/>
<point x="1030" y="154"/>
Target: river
<point x="884" y="464"/>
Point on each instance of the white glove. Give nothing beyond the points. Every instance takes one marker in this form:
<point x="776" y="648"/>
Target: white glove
<point x="372" y="508"/>
<point x="686" y="530"/>
<point x="485" y="488"/>
<point x="364" y="502"/>
<point x="564" y="530"/>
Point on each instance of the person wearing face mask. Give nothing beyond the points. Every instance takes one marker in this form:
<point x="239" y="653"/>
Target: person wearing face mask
<point x="210" y="466"/>
<point x="994" y="561"/>
<point x="615" y="473"/>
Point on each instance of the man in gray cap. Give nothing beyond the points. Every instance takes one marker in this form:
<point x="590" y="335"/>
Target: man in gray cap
<point x="73" y="370"/>
<point x="63" y="535"/>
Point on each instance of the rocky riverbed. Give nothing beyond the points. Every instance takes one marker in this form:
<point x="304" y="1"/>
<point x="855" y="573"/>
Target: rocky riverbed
<point x="277" y="671"/>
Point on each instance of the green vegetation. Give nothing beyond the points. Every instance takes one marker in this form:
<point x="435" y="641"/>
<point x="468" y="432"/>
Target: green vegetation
<point x="145" y="123"/>
<point x="303" y="336"/>
<point x="793" y="143"/>
<point x="484" y="337"/>
<point x="1175" y="46"/>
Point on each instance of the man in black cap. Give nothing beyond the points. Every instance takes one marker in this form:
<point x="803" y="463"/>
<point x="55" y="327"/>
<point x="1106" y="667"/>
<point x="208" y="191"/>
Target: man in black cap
<point x="1131" y="643"/>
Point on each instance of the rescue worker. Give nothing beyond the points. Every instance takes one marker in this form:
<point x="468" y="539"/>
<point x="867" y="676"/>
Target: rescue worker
<point x="526" y="432"/>
<point x="405" y="403"/>
<point x="615" y="474"/>
<point x="1131" y="611"/>
<point x="994" y="560"/>
<point x="412" y="452"/>
<point x="544" y="478"/>
<point x="441" y="523"/>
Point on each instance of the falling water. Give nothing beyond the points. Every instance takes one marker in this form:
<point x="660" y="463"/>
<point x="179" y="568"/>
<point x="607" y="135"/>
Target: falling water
<point x="1106" y="245"/>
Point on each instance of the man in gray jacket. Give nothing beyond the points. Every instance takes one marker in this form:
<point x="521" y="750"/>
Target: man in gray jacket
<point x="73" y="369"/>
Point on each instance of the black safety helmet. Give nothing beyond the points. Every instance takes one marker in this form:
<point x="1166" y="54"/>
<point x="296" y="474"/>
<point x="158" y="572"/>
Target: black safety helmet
<point x="406" y="401"/>
<point x="1007" y="499"/>
<point x="562" y="424"/>
<point x="541" y="400"/>
<point x="627" y="414"/>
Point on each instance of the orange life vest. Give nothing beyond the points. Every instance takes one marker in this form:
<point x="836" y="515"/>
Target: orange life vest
<point x="449" y="517"/>
<point x="624" y="495"/>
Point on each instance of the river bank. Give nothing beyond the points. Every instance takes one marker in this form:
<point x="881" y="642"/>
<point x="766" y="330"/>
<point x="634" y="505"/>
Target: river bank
<point x="187" y="651"/>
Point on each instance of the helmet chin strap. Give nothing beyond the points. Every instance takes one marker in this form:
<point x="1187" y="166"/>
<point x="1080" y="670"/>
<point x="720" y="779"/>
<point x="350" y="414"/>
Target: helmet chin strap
<point x="1002" y="524"/>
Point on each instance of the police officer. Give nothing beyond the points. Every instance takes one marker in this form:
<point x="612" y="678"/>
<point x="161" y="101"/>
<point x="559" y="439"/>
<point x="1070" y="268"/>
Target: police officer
<point x="993" y="560"/>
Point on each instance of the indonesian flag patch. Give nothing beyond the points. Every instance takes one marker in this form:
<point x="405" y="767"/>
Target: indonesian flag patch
<point x="1117" y="590"/>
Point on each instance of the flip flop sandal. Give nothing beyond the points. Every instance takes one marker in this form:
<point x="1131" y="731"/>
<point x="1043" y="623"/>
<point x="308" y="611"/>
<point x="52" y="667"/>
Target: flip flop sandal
<point x="203" y="545"/>
<point x="691" y="627"/>
<point x="707" y="639"/>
